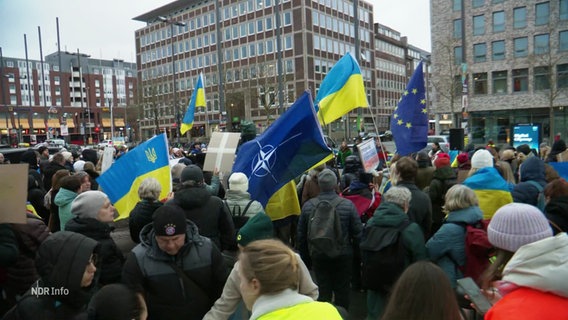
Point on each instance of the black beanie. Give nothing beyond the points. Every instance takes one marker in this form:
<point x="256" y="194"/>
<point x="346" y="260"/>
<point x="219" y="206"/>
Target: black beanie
<point x="169" y="221"/>
<point x="114" y="302"/>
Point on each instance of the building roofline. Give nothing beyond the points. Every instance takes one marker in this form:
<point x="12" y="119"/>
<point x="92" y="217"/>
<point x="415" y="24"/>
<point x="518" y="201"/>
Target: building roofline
<point x="164" y="10"/>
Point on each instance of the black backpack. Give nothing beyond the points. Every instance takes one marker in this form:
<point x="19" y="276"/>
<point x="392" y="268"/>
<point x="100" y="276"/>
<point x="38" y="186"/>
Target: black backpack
<point x="383" y="256"/>
<point x="239" y="218"/>
<point x="324" y="229"/>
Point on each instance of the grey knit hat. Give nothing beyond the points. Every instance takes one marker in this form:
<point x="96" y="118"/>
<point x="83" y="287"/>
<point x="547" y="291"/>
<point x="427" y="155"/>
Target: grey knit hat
<point x="327" y="180"/>
<point x="517" y="224"/>
<point x="88" y="204"/>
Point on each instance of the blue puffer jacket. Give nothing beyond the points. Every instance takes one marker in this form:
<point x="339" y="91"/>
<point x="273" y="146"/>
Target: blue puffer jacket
<point x="450" y="240"/>
<point x="532" y="169"/>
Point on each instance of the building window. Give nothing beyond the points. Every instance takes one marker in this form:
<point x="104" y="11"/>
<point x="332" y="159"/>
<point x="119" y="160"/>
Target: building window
<point x="480" y="83"/>
<point x="541" y="43"/>
<point x="458" y="55"/>
<point x="457" y="28"/>
<point x="457" y="5"/>
<point x="563" y="40"/>
<point x="477" y="3"/>
<point x="498" y="50"/>
<point x="520" y="17"/>
<point x="478" y="25"/>
<point x="520" y="80"/>
<point x="499" y="21"/>
<point x="521" y="47"/>
<point x="563" y="7"/>
<point x="541" y="78"/>
<point x="542" y="13"/>
<point x="562" y="76"/>
<point x="480" y="52"/>
<point x="287" y="18"/>
<point x="499" y="82"/>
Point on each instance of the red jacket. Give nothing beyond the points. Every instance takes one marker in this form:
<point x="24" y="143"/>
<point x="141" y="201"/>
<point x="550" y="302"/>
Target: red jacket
<point x="528" y="304"/>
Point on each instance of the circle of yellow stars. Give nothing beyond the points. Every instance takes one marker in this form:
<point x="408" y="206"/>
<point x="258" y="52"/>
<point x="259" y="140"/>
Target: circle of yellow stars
<point x="400" y="122"/>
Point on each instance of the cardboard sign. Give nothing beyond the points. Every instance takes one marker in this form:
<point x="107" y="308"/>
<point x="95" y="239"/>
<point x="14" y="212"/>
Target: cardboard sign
<point x="13" y="193"/>
<point x="368" y="155"/>
<point x="221" y="151"/>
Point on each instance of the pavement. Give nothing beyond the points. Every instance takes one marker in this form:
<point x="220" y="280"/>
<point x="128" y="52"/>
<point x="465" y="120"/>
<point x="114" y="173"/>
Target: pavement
<point x="121" y="236"/>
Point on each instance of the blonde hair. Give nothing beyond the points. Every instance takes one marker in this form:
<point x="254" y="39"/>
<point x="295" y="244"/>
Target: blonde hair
<point x="460" y="197"/>
<point x="506" y="171"/>
<point x="272" y="263"/>
<point x="149" y="189"/>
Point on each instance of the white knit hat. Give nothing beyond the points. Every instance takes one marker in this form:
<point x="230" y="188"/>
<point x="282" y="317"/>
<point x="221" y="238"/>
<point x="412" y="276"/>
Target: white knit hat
<point x="238" y="181"/>
<point x="78" y="165"/>
<point x="482" y="159"/>
<point x="517" y="224"/>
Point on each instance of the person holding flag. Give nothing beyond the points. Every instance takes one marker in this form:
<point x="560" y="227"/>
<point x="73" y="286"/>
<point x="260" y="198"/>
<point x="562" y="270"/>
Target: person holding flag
<point x="197" y="100"/>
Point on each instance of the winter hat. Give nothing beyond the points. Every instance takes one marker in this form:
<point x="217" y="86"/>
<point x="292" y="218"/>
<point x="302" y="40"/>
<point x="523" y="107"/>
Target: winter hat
<point x="463" y="158"/>
<point x="169" y="221"/>
<point x="524" y="148"/>
<point x="114" y="301"/>
<point x="193" y="173"/>
<point x="258" y="227"/>
<point x="517" y="224"/>
<point x="327" y="180"/>
<point x="481" y="159"/>
<point x="78" y="165"/>
<point x="67" y="155"/>
<point x="442" y="160"/>
<point x="238" y="181"/>
<point x="88" y="203"/>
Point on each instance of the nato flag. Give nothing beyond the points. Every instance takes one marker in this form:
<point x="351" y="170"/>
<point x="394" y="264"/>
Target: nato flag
<point x="409" y="121"/>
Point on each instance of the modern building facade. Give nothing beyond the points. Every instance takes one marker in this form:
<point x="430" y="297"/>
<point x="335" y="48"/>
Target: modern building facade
<point x="513" y="57"/>
<point x="75" y="102"/>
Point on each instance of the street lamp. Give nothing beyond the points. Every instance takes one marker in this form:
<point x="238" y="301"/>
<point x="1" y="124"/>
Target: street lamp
<point x="177" y="109"/>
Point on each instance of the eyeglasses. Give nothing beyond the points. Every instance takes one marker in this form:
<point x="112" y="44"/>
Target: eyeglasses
<point x="93" y="259"/>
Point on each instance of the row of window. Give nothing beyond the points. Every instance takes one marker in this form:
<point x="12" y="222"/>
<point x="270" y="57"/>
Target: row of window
<point x="393" y="50"/>
<point x="390" y="67"/>
<point x="323" y="66"/>
<point x="330" y="45"/>
<point x="519" y="80"/>
<point x="335" y="24"/>
<point x="540" y="45"/>
<point x="260" y="48"/>
<point x="185" y="46"/>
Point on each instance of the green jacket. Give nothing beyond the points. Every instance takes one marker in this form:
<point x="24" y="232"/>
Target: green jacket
<point x="63" y="200"/>
<point x="391" y="215"/>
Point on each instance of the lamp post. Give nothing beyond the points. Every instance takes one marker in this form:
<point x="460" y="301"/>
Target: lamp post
<point x="176" y="107"/>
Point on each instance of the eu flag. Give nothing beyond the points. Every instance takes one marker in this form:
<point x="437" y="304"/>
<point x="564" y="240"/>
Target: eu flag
<point x="290" y="146"/>
<point x="122" y="180"/>
<point x="409" y="121"/>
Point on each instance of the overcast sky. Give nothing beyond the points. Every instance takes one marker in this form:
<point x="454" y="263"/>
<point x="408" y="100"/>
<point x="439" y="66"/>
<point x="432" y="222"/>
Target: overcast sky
<point x="105" y="29"/>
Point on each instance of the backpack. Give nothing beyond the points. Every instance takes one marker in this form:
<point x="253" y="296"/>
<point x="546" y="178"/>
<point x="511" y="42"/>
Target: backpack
<point x="239" y="218"/>
<point x="383" y="256"/>
<point x="541" y="200"/>
<point x="324" y="229"/>
<point x="478" y="250"/>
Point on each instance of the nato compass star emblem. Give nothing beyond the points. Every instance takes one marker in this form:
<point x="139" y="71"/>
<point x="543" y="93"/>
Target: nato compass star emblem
<point x="266" y="158"/>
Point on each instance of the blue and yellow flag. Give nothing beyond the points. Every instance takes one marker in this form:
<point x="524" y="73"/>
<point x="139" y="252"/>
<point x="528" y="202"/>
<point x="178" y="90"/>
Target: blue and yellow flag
<point x="121" y="181"/>
<point x="341" y="91"/>
<point x="284" y="203"/>
<point x="290" y="146"/>
<point x="409" y="121"/>
<point x="197" y="100"/>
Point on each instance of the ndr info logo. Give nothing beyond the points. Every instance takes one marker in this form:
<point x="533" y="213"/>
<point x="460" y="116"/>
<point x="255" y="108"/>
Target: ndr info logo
<point x="37" y="291"/>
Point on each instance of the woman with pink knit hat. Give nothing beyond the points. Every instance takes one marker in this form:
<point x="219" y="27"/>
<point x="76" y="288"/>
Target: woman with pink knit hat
<point x="528" y="278"/>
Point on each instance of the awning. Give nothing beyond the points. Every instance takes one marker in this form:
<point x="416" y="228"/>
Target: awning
<point x="22" y="122"/>
<point x="70" y="123"/>
<point x="53" y="123"/>
<point x="4" y="123"/>
<point x="118" y="122"/>
<point x="106" y="123"/>
<point x="39" y="124"/>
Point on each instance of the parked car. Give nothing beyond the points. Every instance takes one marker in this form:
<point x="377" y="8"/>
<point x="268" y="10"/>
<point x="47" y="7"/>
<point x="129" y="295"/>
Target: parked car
<point x="443" y="141"/>
<point x="105" y="143"/>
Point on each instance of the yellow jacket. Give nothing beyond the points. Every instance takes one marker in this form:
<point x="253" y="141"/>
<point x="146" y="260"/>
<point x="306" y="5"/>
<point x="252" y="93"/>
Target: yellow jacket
<point x="289" y="304"/>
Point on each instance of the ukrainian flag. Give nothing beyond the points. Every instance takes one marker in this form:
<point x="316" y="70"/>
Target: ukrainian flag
<point x="121" y="181"/>
<point x="197" y="100"/>
<point x="341" y="91"/>
<point x="284" y="203"/>
<point x="491" y="189"/>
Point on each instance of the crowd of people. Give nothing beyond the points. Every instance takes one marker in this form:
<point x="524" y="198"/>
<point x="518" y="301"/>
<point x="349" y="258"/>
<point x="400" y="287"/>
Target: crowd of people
<point x="209" y="250"/>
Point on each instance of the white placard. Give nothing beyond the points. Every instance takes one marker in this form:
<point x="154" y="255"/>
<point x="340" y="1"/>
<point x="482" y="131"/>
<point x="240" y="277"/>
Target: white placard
<point x="221" y="151"/>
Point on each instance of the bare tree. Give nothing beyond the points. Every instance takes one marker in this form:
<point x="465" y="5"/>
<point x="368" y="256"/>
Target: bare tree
<point x="447" y="81"/>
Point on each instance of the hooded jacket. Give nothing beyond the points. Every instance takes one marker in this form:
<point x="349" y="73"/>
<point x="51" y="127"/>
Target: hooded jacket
<point x="532" y="169"/>
<point x="227" y="304"/>
<point x="61" y="261"/>
<point x="491" y="190"/>
<point x="209" y="214"/>
<point x="140" y="216"/>
<point x="148" y="269"/>
<point x="420" y="210"/>
<point x="111" y="257"/>
<point x="236" y="199"/>
<point x="556" y="211"/>
<point x="50" y="169"/>
<point x="539" y="270"/>
<point x="36" y="197"/>
<point x="63" y="200"/>
<point x="449" y="241"/>
<point x="443" y="179"/>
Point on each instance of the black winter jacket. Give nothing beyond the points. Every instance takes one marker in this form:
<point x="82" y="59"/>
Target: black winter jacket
<point x="556" y="211"/>
<point x="50" y="170"/>
<point x="140" y="216"/>
<point x="168" y="295"/>
<point x="209" y="214"/>
<point x="110" y="256"/>
<point x="420" y="210"/>
<point x="532" y="169"/>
